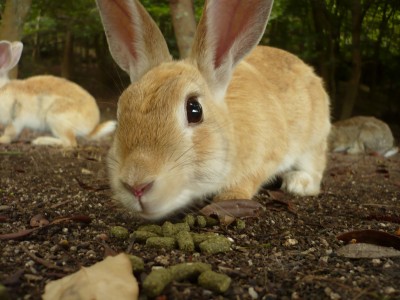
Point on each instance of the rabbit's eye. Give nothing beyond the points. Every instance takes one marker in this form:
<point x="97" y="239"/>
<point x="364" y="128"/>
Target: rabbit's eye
<point x="194" y="111"/>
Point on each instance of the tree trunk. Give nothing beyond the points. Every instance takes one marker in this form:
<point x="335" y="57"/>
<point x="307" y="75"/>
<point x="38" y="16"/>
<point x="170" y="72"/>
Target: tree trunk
<point x="184" y="23"/>
<point x="350" y="97"/>
<point x="66" y="65"/>
<point x="12" y="23"/>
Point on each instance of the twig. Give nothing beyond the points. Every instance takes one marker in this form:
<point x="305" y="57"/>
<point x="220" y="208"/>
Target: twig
<point x="46" y="263"/>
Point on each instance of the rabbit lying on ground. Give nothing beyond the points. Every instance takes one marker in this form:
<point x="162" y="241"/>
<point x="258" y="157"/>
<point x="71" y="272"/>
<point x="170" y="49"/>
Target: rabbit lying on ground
<point x="212" y="124"/>
<point x="362" y="135"/>
<point x="46" y="103"/>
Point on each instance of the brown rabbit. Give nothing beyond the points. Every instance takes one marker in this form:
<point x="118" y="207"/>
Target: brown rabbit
<point x="215" y="123"/>
<point x="362" y="135"/>
<point x="46" y="103"/>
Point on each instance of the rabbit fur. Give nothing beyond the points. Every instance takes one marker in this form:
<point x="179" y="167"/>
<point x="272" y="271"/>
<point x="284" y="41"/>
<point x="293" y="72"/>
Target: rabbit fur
<point x="362" y="134"/>
<point x="265" y="116"/>
<point x="46" y="103"/>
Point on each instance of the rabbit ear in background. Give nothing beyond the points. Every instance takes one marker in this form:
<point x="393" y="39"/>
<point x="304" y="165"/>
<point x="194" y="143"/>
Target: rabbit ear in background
<point x="135" y="41"/>
<point x="10" y="53"/>
<point x="5" y="56"/>
<point x="227" y="32"/>
<point x="16" y="49"/>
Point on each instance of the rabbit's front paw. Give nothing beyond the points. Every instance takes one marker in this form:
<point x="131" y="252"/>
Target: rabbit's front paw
<point x="5" y="139"/>
<point x="300" y="183"/>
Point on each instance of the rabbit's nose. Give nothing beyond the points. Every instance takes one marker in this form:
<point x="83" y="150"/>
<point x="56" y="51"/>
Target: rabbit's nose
<point x="138" y="190"/>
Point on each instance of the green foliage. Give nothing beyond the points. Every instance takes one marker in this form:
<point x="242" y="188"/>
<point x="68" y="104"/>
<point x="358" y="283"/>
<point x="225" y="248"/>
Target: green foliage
<point x="57" y="17"/>
<point x="324" y="42"/>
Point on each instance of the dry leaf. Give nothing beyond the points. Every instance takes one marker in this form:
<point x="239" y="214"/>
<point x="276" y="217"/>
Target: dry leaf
<point x="38" y="221"/>
<point x="362" y="250"/>
<point x="371" y="236"/>
<point x="232" y="208"/>
<point x="111" y="278"/>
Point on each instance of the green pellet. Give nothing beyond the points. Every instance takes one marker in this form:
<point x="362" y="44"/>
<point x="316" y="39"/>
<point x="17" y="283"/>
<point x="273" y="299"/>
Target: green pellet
<point x="169" y="229"/>
<point x="188" y="271"/>
<point x="168" y="243"/>
<point x="211" y="221"/>
<point x="151" y="228"/>
<point x="156" y="281"/>
<point x="137" y="263"/>
<point x="240" y="224"/>
<point x="4" y="295"/>
<point x="215" y="245"/>
<point x="214" y="281"/>
<point x="198" y="238"/>
<point x="185" y="241"/>
<point x="142" y="236"/>
<point x="119" y="232"/>
<point x="201" y="221"/>
<point x="190" y="220"/>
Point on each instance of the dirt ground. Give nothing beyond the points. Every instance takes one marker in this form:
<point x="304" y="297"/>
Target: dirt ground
<point x="288" y="252"/>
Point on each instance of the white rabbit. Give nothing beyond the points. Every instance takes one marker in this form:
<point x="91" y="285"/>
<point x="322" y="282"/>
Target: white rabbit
<point x="46" y="103"/>
<point x="213" y="124"/>
<point x="362" y="134"/>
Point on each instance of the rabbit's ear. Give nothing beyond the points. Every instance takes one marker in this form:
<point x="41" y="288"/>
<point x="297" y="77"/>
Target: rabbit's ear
<point x="10" y="53"/>
<point x="16" y="50"/>
<point x="5" y="55"/>
<point x="227" y="32"/>
<point x="135" y="41"/>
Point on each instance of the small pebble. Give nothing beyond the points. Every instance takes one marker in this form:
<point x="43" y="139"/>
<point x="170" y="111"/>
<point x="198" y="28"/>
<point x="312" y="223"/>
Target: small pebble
<point x="63" y="243"/>
<point x="389" y="290"/>
<point x="252" y="292"/>
<point x="290" y="242"/>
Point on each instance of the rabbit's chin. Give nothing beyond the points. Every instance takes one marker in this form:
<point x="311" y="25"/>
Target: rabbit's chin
<point x="156" y="207"/>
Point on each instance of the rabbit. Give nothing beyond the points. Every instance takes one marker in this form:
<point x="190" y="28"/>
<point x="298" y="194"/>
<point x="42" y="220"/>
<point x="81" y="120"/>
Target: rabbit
<point x="10" y="54"/>
<point x="46" y="103"/>
<point x="221" y="123"/>
<point x="362" y="134"/>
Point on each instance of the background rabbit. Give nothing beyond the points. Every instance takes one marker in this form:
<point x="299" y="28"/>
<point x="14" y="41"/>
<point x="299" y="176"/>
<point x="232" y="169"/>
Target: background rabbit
<point x="362" y="135"/>
<point x="46" y="103"/>
<point x="211" y="124"/>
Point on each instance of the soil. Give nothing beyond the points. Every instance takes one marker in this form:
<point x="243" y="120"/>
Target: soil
<point x="288" y="252"/>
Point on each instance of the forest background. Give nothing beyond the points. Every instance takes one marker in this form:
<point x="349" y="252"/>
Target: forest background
<point x="354" y="45"/>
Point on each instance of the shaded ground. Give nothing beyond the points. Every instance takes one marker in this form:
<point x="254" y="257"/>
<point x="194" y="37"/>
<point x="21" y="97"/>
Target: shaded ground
<point x="289" y="252"/>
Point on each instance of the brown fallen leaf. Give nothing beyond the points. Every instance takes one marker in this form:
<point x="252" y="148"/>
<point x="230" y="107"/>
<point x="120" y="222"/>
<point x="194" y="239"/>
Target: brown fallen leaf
<point x="38" y="221"/>
<point x="363" y="250"/>
<point x="19" y="234"/>
<point x="110" y="278"/>
<point x="232" y="208"/>
<point x="92" y="188"/>
<point x="25" y="232"/>
<point x="370" y="236"/>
